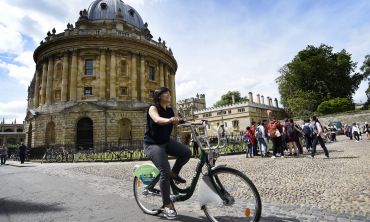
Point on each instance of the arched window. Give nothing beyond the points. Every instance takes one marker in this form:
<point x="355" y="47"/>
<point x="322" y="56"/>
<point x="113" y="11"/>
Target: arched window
<point x="8" y="130"/>
<point x="124" y="68"/>
<point x="59" y="71"/>
<point x="29" y="133"/>
<point x="85" y="133"/>
<point x="50" y="133"/>
<point x="19" y="130"/>
<point x="124" y="126"/>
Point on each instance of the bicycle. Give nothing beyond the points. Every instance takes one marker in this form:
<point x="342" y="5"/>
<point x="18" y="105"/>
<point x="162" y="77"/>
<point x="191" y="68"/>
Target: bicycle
<point x="225" y="194"/>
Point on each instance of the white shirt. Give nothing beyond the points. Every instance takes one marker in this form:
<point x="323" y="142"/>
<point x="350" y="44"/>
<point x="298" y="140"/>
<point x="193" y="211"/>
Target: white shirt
<point x="262" y="130"/>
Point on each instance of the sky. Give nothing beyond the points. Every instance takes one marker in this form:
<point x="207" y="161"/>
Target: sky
<point x="219" y="45"/>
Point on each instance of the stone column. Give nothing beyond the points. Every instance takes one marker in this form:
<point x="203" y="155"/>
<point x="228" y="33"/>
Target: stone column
<point x="102" y="73"/>
<point x="113" y="75"/>
<point x="65" y="78"/>
<point x="134" y="77"/>
<point x="166" y="78"/>
<point x="37" y="90"/>
<point x="263" y="100"/>
<point x="142" y="78"/>
<point x="73" y="87"/>
<point x="258" y="99"/>
<point x="43" y="83"/>
<point x="250" y="94"/>
<point x="276" y="103"/>
<point x="161" y="75"/>
<point x="173" y="90"/>
<point x="49" y="81"/>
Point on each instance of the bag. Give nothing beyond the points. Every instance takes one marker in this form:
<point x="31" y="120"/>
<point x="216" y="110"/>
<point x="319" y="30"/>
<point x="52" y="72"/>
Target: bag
<point x="259" y="133"/>
<point x="307" y="131"/>
<point x="246" y="138"/>
<point x="290" y="130"/>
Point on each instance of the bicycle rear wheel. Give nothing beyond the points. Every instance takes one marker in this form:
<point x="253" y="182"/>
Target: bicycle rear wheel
<point x="243" y="200"/>
<point x="149" y="200"/>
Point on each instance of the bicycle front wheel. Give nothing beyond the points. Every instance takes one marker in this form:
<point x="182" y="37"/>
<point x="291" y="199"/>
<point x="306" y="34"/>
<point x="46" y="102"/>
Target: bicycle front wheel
<point x="243" y="200"/>
<point x="149" y="200"/>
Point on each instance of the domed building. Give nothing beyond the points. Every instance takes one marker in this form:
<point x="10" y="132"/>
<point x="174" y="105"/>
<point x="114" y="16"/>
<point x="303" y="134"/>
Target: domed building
<point x="93" y="82"/>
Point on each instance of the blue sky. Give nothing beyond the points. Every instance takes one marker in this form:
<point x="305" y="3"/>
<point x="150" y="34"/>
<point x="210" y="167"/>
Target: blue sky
<point x="219" y="45"/>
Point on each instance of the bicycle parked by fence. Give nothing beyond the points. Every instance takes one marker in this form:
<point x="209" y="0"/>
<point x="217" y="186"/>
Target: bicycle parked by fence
<point x="225" y="194"/>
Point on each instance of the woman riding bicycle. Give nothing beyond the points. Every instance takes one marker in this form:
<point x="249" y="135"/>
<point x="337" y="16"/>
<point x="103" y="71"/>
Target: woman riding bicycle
<point x="158" y="145"/>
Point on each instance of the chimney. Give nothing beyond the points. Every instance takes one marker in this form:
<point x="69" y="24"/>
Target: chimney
<point x="262" y="100"/>
<point x="258" y="99"/>
<point x="268" y="100"/>
<point x="233" y="98"/>
<point x="250" y="97"/>
<point x="276" y="103"/>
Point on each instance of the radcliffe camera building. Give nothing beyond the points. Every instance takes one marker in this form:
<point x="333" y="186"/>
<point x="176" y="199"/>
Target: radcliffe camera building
<point x="93" y="82"/>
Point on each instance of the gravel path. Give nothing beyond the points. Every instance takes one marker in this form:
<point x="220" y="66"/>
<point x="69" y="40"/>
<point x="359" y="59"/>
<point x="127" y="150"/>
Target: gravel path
<point x="302" y="189"/>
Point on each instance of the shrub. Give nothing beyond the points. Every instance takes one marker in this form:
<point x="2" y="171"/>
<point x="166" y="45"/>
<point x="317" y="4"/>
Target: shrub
<point x="335" y="106"/>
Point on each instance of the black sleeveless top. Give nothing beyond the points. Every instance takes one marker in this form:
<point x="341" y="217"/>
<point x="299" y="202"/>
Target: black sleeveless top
<point x="155" y="133"/>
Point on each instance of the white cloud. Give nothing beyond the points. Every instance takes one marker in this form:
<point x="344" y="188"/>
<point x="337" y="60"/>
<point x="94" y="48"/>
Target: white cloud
<point x="23" y="73"/>
<point x="10" y="40"/>
<point x="13" y="110"/>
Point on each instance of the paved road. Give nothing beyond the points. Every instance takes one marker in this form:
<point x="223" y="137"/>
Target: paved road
<point x="29" y="195"/>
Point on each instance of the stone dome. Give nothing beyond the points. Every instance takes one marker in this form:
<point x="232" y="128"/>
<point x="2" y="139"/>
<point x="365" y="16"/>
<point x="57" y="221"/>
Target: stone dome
<point x="114" y="9"/>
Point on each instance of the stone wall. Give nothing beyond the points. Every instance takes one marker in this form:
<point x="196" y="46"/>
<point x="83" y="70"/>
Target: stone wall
<point x="347" y="118"/>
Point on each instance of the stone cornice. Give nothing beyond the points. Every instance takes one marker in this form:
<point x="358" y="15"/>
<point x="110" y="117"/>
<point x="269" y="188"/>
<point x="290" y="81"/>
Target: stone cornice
<point x="118" y="43"/>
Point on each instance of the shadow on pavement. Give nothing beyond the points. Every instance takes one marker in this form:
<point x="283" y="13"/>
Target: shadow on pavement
<point x="263" y="219"/>
<point x="278" y="219"/>
<point x="345" y="157"/>
<point x="19" y="165"/>
<point x="24" y="207"/>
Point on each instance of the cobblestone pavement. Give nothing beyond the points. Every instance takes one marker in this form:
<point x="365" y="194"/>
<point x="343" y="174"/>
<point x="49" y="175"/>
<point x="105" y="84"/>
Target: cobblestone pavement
<point x="292" y="189"/>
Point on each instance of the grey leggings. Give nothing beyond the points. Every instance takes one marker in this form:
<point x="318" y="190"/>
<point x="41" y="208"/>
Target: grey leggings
<point x="159" y="156"/>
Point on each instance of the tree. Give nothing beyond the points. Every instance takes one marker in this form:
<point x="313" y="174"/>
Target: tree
<point x="365" y="68"/>
<point x="335" y="105"/>
<point x="316" y="74"/>
<point x="226" y="99"/>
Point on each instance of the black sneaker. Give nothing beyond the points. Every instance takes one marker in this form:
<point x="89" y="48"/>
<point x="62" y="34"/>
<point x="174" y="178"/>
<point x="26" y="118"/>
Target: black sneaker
<point x="178" y="179"/>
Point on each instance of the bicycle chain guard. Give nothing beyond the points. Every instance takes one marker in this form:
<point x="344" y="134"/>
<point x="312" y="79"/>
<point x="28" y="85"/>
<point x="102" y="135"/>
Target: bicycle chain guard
<point x="146" y="173"/>
<point x="207" y="193"/>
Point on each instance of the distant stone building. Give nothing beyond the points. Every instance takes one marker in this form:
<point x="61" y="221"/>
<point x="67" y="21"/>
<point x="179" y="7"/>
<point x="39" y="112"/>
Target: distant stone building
<point x="11" y="133"/>
<point x="236" y="117"/>
<point x="187" y="107"/>
<point x="94" y="81"/>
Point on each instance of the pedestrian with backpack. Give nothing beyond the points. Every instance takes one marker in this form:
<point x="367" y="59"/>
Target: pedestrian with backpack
<point x="291" y="136"/>
<point x="247" y="139"/>
<point x="261" y="138"/>
<point x="307" y="133"/>
<point x="318" y="134"/>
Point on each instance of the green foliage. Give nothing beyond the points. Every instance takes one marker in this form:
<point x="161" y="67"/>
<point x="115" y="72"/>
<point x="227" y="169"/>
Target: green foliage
<point x="365" y="68"/>
<point x="316" y="74"/>
<point x="335" y="105"/>
<point x="226" y="99"/>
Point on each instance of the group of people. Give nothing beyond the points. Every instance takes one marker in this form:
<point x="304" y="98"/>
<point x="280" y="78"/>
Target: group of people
<point x="284" y="136"/>
<point x="355" y="131"/>
<point x="4" y="154"/>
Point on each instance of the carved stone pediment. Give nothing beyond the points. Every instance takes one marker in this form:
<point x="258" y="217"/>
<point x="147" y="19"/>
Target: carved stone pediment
<point x="83" y="107"/>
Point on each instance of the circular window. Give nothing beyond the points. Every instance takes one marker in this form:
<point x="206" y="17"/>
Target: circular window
<point x="103" y="5"/>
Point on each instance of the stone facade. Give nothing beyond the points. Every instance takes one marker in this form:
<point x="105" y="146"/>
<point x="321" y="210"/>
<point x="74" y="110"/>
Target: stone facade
<point x="11" y="134"/>
<point x="187" y="107"/>
<point x="236" y="117"/>
<point x="96" y="78"/>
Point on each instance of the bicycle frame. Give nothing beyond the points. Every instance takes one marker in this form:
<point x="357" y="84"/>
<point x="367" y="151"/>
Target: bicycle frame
<point x="208" y="160"/>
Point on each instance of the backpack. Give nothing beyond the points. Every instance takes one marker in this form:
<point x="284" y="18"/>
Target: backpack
<point x="258" y="133"/>
<point x="290" y="130"/>
<point x="307" y="131"/>
<point x="246" y="138"/>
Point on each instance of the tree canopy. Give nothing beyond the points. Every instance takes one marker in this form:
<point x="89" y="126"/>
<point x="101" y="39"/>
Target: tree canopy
<point x="226" y="99"/>
<point x="316" y="74"/>
<point x="365" y="68"/>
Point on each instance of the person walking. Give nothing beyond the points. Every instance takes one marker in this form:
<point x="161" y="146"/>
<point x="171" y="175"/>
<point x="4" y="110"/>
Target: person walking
<point x="22" y="152"/>
<point x="261" y="138"/>
<point x="318" y="134"/>
<point x="254" y="140"/>
<point x="3" y="154"/>
<point x="247" y="139"/>
<point x="356" y="132"/>
<point x="367" y="130"/>
<point x="275" y="131"/>
<point x="307" y="133"/>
